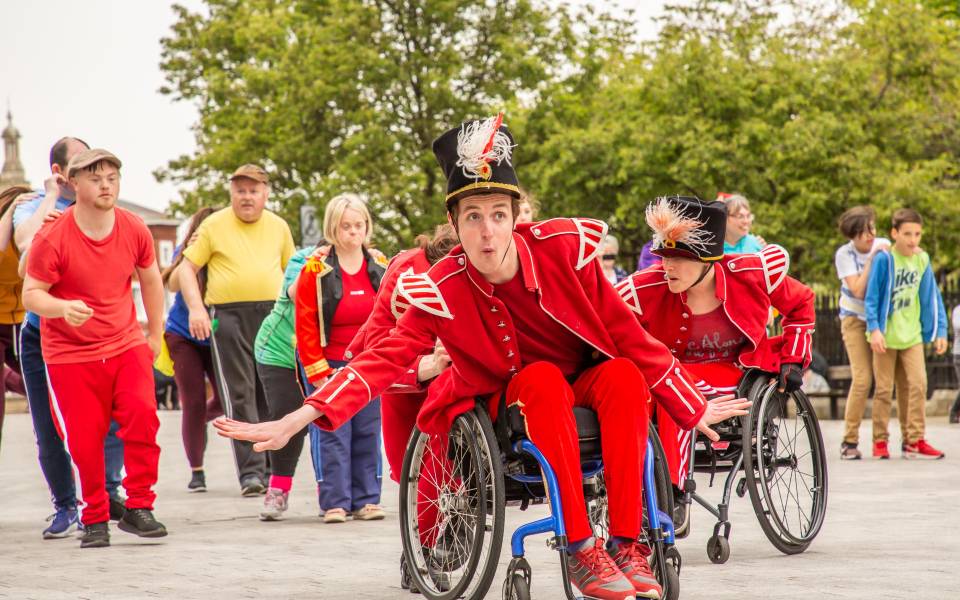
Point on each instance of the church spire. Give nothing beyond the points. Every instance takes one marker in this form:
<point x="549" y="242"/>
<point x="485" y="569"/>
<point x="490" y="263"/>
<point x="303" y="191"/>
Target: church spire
<point x="12" y="173"/>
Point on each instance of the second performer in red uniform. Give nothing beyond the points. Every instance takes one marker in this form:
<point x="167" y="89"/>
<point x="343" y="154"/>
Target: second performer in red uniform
<point x="711" y="310"/>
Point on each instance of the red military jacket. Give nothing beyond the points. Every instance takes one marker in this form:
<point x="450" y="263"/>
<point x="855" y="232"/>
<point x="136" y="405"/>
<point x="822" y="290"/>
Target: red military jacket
<point x="747" y="286"/>
<point x="387" y="309"/>
<point x="453" y="302"/>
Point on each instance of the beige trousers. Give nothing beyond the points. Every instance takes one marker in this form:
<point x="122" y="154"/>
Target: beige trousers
<point x="854" y="333"/>
<point x="908" y="368"/>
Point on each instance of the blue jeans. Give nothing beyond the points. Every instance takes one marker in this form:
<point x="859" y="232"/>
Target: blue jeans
<point x="54" y="460"/>
<point x="312" y="429"/>
<point x="351" y="468"/>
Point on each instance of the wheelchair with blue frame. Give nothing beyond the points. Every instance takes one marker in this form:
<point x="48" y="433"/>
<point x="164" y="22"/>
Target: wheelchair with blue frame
<point x="453" y="493"/>
<point x="775" y="454"/>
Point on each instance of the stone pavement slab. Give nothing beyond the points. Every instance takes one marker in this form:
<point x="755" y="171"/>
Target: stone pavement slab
<point x="892" y="532"/>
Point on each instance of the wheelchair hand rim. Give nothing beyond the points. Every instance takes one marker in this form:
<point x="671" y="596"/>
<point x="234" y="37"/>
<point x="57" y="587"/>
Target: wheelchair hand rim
<point x="812" y="483"/>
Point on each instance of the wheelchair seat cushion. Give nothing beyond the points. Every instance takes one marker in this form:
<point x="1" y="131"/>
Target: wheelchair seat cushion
<point x="588" y="427"/>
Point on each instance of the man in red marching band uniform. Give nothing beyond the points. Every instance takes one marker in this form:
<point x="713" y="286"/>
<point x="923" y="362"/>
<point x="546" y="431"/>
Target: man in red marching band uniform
<point x="711" y="310"/>
<point x="530" y="311"/>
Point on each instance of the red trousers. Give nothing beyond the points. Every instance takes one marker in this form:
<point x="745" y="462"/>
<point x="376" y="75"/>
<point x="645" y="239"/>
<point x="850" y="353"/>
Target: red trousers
<point x="84" y="397"/>
<point x="398" y="417"/>
<point x="398" y="412"/>
<point x="712" y="379"/>
<point x="616" y="390"/>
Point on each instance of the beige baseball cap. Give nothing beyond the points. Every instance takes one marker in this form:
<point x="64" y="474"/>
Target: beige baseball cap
<point x="89" y="157"/>
<point x="251" y="171"/>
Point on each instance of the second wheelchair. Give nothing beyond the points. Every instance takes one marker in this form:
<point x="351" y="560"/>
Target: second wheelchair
<point x="776" y="455"/>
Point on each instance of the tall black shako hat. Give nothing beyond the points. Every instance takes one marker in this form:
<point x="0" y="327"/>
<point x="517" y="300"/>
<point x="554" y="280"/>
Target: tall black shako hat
<point x="475" y="157"/>
<point x="687" y="226"/>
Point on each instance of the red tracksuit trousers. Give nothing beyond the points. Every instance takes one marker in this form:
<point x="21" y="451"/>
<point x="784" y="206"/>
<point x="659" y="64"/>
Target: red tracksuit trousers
<point x="616" y="390"/>
<point x="713" y="380"/>
<point x="84" y="397"/>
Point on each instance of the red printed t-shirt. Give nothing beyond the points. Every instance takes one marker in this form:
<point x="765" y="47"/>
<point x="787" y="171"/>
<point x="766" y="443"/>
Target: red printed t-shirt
<point x="354" y="307"/>
<point x="713" y="338"/>
<point x="539" y="337"/>
<point x="100" y="274"/>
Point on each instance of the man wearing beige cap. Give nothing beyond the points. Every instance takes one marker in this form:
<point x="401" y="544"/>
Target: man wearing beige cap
<point x="28" y="217"/>
<point x="245" y="250"/>
<point x="100" y="366"/>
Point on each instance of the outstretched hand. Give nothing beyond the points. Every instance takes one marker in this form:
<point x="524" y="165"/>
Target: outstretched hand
<point x="720" y="409"/>
<point x="269" y="435"/>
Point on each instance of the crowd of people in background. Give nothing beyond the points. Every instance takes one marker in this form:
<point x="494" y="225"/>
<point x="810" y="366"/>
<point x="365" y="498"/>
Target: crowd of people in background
<point x="256" y="325"/>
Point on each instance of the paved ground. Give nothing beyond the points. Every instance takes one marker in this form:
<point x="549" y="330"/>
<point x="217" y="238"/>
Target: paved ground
<point x="892" y="531"/>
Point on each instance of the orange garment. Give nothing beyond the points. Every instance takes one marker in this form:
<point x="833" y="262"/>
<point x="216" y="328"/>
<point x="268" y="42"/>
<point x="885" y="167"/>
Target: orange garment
<point x="11" y="288"/>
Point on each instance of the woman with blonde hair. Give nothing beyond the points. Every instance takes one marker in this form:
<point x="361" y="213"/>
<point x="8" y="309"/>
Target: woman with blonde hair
<point x="334" y="296"/>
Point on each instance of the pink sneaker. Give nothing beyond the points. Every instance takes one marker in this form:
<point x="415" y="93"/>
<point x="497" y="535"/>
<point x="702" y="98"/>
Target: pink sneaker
<point x="594" y="573"/>
<point x="632" y="560"/>
<point x="921" y="450"/>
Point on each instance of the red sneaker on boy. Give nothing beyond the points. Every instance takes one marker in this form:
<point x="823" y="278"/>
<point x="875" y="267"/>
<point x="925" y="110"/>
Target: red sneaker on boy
<point x="921" y="449"/>
<point x="880" y="449"/>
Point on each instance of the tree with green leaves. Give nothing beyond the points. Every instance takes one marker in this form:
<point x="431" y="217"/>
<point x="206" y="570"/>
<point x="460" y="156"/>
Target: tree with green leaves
<point x="806" y="108"/>
<point x="347" y="95"/>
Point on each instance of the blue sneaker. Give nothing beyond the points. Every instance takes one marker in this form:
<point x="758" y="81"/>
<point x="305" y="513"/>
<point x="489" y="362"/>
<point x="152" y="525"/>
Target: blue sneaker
<point x="65" y="522"/>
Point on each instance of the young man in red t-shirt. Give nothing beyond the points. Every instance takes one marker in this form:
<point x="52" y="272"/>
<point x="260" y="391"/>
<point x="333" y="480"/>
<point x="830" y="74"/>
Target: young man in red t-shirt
<point x="79" y="274"/>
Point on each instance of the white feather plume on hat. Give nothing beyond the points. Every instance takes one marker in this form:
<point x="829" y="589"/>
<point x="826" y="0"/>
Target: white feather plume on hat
<point x="671" y="227"/>
<point x="481" y="142"/>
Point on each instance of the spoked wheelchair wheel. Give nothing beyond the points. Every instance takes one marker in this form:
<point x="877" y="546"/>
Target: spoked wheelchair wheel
<point x="665" y="561"/>
<point x="785" y="467"/>
<point x="598" y="507"/>
<point x="452" y="509"/>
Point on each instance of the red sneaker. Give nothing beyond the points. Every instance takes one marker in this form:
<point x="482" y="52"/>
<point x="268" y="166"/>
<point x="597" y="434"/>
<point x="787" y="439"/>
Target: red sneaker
<point x="921" y="450"/>
<point x="595" y="574"/>
<point x="880" y="449"/>
<point x="632" y="560"/>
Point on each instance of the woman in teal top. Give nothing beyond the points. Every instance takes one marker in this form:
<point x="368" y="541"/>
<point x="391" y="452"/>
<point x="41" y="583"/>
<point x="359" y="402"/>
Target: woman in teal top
<point x="275" y="353"/>
<point x="738" y="239"/>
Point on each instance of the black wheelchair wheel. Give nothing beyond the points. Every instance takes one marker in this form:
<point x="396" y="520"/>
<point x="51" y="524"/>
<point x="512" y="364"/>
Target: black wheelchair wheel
<point x="785" y="467"/>
<point x="718" y="549"/>
<point x="671" y="587"/>
<point x="516" y="588"/>
<point x="454" y="486"/>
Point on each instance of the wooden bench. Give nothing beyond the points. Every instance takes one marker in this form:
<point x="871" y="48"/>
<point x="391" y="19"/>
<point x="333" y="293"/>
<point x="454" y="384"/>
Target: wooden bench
<point x="839" y="379"/>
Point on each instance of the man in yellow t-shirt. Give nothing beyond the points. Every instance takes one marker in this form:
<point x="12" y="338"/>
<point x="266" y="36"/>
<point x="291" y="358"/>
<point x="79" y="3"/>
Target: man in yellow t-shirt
<point x="245" y="250"/>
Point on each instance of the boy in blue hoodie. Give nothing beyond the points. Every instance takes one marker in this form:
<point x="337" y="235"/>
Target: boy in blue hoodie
<point x="904" y="309"/>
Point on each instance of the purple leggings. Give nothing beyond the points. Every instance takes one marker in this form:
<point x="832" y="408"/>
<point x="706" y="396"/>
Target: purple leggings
<point x="191" y="362"/>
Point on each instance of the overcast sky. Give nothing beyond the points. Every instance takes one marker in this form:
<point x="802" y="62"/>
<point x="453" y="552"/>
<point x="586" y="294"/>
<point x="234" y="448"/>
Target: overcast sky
<point x="91" y="69"/>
